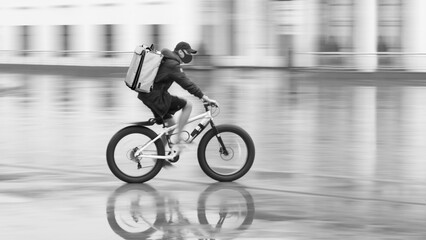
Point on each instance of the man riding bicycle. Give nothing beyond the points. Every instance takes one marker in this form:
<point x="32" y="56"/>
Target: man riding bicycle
<point x="161" y="102"/>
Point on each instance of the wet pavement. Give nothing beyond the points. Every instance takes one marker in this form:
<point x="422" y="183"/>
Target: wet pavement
<point x="338" y="156"/>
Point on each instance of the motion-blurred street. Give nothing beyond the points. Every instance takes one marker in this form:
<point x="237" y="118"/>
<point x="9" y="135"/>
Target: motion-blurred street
<point x="338" y="156"/>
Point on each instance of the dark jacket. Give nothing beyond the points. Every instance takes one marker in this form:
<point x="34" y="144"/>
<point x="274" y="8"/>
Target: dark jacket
<point x="170" y="71"/>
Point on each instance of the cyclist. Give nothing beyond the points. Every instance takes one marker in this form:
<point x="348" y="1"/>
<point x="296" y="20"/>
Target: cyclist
<point x="161" y="102"/>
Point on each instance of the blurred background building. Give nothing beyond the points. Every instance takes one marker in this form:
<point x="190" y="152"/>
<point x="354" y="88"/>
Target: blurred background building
<point x="364" y="35"/>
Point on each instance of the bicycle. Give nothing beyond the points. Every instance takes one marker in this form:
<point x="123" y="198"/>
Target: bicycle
<point x="136" y="154"/>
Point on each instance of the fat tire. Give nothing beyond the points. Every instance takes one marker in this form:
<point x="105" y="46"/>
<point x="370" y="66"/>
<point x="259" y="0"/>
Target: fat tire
<point x="111" y="149"/>
<point x="211" y="134"/>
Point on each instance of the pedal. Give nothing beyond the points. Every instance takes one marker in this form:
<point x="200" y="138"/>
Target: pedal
<point x="139" y="165"/>
<point x="174" y="159"/>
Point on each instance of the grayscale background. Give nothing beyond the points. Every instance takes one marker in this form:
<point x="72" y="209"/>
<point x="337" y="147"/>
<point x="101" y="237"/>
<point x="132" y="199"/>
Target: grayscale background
<point x="333" y="93"/>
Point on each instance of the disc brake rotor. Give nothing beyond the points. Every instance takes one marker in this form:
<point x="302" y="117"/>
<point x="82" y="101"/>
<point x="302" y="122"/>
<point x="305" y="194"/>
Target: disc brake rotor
<point x="228" y="156"/>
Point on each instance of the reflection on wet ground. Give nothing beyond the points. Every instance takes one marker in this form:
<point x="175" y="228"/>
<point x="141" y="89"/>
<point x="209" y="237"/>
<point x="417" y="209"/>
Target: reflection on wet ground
<point x="337" y="157"/>
<point x="139" y="211"/>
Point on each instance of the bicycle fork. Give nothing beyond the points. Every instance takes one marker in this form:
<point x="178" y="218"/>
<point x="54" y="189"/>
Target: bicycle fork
<point x="222" y="149"/>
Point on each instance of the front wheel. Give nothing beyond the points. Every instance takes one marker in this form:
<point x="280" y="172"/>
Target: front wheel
<point x="228" y="161"/>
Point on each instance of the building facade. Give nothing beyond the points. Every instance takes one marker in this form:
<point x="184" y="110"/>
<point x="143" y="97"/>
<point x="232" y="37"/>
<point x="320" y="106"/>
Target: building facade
<point x="364" y="35"/>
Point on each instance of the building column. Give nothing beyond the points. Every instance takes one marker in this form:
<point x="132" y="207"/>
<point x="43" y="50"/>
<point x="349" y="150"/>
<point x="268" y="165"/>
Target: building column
<point x="306" y="39"/>
<point x="414" y="34"/>
<point x="365" y="35"/>
<point x="253" y="33"/>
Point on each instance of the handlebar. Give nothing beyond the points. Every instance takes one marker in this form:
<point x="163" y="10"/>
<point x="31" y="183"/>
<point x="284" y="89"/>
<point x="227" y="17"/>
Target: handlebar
<point x="209" y="104"/>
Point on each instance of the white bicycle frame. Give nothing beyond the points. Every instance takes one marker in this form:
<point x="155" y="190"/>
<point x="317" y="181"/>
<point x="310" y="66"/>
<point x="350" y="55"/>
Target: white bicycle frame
<point x="204" y="116"/>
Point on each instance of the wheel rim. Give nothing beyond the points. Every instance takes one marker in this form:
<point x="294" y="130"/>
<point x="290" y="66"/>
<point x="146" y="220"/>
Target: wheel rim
<point x="233" y="161"/>
<point x="125" y="150"/>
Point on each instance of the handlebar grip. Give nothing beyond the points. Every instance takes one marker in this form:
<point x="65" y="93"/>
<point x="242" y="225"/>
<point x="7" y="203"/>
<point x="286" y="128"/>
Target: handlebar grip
<point x="209" y="104"/>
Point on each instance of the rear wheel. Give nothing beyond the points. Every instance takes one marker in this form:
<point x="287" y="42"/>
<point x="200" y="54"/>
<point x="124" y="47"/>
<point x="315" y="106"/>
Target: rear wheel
<point x="121" y="157"/>
<point x="229" y="163"/>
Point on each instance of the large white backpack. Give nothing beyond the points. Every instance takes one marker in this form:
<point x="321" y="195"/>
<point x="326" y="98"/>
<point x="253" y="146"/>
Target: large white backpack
<point x="143" y="68"/>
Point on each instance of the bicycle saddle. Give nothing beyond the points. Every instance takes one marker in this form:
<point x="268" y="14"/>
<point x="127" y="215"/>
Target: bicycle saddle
<point x="150" y="122"/>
